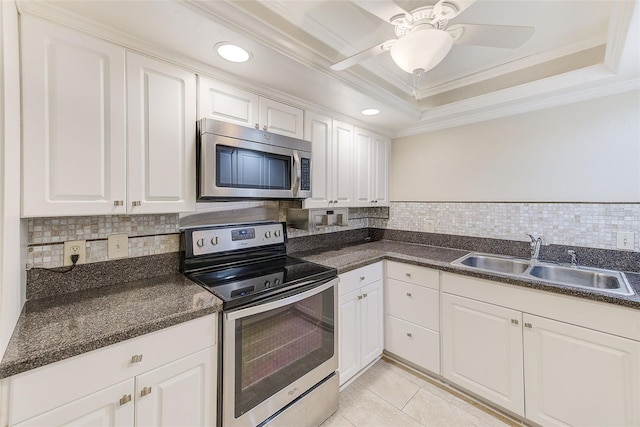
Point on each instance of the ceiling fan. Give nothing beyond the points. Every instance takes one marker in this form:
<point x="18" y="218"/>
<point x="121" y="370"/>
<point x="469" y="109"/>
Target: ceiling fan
<point x="425" y="36"/>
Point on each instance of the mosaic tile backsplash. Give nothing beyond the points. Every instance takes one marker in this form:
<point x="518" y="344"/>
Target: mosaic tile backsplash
<point x="583" y="225"/>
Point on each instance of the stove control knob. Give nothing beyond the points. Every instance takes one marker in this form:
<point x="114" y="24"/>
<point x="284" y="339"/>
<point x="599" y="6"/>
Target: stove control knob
<point x="214" y="240"/>
<point x="200" y="243"/>
<point x="267" y="234"/>
<point x="277" y="233"/>
<point x="276" y="282"/>
<point x="267" y="284"/>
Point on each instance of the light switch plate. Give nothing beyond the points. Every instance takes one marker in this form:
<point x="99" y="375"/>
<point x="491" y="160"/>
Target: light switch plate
<point x="73" y="247"/>
<point x="118" y="246"/>
<point x="626" y="240"/>
<point x="430" y="226"/>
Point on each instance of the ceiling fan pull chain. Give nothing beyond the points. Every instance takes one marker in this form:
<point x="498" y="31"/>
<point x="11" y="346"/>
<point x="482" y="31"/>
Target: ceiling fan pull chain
<point x="416" y="79"/>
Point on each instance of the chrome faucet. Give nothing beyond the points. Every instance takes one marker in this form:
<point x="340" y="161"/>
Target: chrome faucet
<point x="535" y="247"/>
<point x="574" y="258"/>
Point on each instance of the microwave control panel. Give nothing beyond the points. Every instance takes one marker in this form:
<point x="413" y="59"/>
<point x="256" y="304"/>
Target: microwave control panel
<point x="222" y="239"/>
<point x="305" y="180"/>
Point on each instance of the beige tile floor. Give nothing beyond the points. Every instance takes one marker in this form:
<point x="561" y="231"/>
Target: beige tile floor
<point x="387" y="395"/>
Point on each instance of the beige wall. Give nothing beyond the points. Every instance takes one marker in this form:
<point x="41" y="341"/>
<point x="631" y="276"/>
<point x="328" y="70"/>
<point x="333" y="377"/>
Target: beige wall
<point x="584" y="152"/>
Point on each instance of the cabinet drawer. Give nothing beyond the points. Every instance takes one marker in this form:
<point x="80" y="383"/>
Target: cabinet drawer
<point x="413" y="303"/>
<point x="354" y="279"/>
<point x="413" y="274"/>
<point x="413" y="343"/>
<point x="34" y="392"/>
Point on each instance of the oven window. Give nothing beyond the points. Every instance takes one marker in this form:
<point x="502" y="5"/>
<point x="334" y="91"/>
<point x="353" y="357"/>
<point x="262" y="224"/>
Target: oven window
<point x="242" y="168"/>
<point x="275" y="348"/>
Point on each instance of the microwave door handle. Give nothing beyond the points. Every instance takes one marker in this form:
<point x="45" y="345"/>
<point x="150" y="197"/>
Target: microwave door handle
<point x="298" y="172"/>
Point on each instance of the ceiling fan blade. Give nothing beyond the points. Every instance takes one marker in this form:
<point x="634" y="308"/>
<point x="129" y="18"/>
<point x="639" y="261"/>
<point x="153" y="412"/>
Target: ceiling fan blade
<point x="504" y="36"/>
<point x="384" y="10"/>
<point x="361" y="56"/>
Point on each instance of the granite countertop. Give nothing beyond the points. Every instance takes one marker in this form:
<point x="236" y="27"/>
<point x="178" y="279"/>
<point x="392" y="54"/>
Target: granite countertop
<point x="351" y="257"/>
<point x="56" y="328"/>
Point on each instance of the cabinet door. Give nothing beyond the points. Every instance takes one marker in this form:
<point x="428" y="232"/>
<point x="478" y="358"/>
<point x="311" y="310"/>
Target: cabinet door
<point x="161" y="137"/>
<point x="342" y="160"/>
<point x="74" y="113"/>
<point x="381" y="150"/>
<point x="181" y="393"/>
<point x="103" y="408"/>
<point x="280" y="118"/>
<point x="577" y="376"/>
<point x="348" y="335"/>
<point x="482" y="350"/>
<point x="227" y="103"/>
<point x="362" y="184"/>
<point x="319" y="130"/>
<point x="371" y="322"/>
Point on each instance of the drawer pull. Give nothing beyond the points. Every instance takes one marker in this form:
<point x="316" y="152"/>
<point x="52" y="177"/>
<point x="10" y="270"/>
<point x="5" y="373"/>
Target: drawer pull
<point x="145" y="391"/>
<point x="408" y="274"/>
<point x="125" y="399"/>
<point x="136" y="203"/>
<point x="359" y="296"/>
<point x="528" y="325"/>
<point x="362" y="278"/>
<point x="409" y="334"/>
<point x="118" y="203"/>
<point x="409" y="294"/>
<point x="364" y="295"/>
<point x="136" y="358"/>
<point x="514" y="321"/>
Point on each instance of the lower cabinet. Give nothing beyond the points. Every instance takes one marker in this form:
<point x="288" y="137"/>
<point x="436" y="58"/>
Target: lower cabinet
<point x="569" y="374"/>
<point x="166" y="378"/>
<point x="360" y="319"/>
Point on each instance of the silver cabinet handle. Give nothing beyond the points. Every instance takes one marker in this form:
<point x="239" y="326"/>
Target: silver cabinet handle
<point x="362" y="278"/>
<point x="136" y="203"/>
<point x="125" y="399"/>
<point x="409" y="334"/>
<point x="136" y="358"/>
<point x="528" y="325"/>
<point x="359" y="296"/>
<point x="145" y="391"/>
<point x="407" y="274"/>
<point x="364" y="295"/>
<point x="409" y="294"/>
<point x="514" y="321"/>
<point x="257" y="126"/>
<point x="264" y="128"/>
<point x="118" y="203"/>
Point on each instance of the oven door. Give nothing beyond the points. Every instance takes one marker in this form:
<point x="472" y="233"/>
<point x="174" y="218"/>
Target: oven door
<point x="276" y="351"/>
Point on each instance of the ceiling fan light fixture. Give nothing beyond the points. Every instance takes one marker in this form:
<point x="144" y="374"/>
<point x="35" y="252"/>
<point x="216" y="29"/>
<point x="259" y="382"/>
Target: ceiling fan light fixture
<point x="370" y="112"/>
<point x="231" y="52"/>
<point x="421" y="49"/>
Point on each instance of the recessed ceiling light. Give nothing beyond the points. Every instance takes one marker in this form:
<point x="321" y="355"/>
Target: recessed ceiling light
<point x="370" y="111"/>
<point x="232" y="53"/>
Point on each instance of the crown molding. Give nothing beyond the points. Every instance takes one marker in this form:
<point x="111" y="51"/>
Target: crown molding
<point x="619" y="23"/>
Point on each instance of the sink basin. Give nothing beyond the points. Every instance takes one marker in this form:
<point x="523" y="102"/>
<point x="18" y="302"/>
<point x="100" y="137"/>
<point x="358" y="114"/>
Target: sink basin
<point x="605" y="280"/>
<point x="494" y="263"/>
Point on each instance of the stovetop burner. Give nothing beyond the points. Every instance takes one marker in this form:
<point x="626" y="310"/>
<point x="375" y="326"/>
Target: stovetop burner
<point x="243" y="264"/>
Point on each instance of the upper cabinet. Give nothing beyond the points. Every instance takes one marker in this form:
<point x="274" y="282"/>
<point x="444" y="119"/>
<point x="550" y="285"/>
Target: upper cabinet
<point x="371" y="167"/>
<point x="88" y="149"/>
<point x="73" y="100"/>
<point x="228" y="103"/>
<point x="161" y="137"/>
<point x="332" y="162"/>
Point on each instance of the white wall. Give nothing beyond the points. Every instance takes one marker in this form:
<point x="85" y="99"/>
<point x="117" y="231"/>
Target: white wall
<point x="584" y="152"/>
<point x="12" y="228"/>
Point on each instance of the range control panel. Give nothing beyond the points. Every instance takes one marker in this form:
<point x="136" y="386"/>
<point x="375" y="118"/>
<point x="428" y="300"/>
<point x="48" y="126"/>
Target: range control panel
<point x="223" y="239"/>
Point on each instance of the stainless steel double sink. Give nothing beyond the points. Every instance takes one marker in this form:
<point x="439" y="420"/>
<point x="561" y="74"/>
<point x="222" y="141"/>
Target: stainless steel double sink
<point x="598" y="279"/>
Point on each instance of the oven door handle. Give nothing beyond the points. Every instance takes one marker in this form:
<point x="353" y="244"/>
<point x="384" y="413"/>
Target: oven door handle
<point x="233" y="315"/>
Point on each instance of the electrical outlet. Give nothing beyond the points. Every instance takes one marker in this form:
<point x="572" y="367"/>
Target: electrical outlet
<point x="75" y="247"/>
<point x="118" y="246"/>
<point x="625" y="240"/>
<point x="430" y="226"/>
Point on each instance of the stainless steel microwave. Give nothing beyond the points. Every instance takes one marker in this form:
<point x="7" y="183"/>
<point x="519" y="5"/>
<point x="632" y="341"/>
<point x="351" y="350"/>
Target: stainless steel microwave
<point x="236" y="162"/>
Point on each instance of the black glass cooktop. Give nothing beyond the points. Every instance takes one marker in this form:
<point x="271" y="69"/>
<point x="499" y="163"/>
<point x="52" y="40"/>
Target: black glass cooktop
<point x="252" y="282"/>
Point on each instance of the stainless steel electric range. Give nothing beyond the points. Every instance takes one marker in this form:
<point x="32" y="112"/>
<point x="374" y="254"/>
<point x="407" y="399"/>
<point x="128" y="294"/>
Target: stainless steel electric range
<point x="279" y="325"/>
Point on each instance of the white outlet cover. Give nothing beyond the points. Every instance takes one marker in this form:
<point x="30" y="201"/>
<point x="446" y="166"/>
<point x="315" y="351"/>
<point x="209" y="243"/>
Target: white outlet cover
<point x="430" y="226"/>
<point x="75" y="247"/>
<point x="626" y="240"/>
<point x="118" y="246"/>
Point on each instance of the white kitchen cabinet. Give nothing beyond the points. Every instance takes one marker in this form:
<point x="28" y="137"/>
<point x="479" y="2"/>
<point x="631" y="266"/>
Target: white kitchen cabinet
<point x="73" y="100"/>
<point x="563" y="360"/>
<point x="78" y="159"/>
<point x="360" y="319"/>
<point x="107" y="386"/>
<point x="332" y="162"/>
<point x="111" y="407"/>
<point x="482" y="350"/>
<point x="371" y="164"/>
<point x="220" y="101"/>
<point x="577" y="376"/>
<point x="161" y="137"/>
<point x="412" y="314"/>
